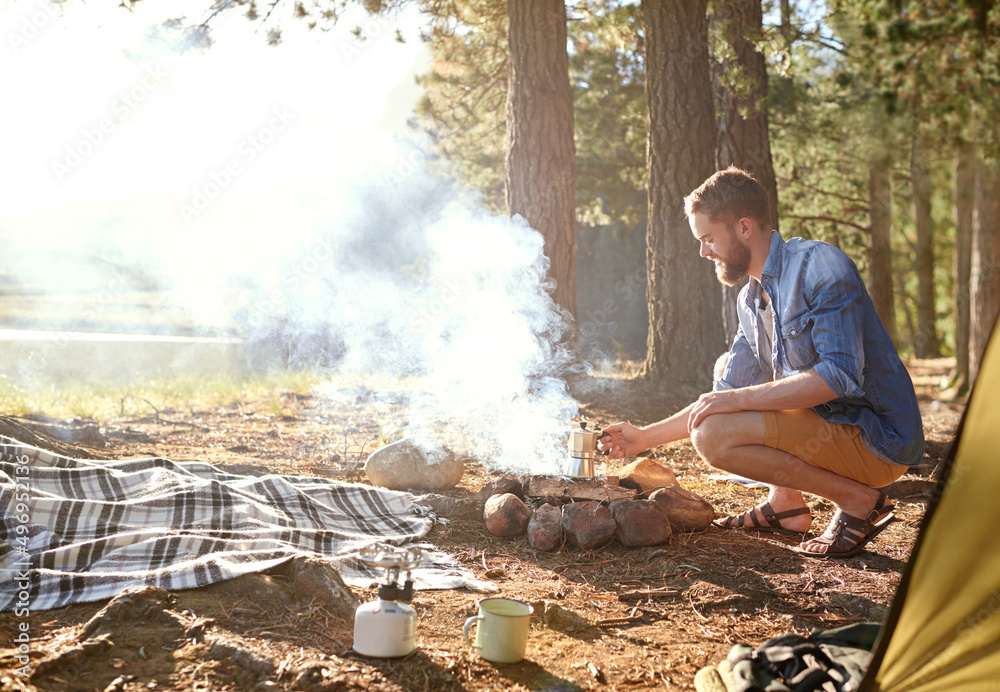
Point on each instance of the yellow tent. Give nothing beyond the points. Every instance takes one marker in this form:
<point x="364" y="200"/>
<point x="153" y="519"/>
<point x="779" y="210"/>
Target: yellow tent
<point x="943" y="630"/>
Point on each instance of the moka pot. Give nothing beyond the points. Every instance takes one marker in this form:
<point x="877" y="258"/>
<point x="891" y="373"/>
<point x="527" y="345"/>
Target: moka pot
<point x="582" y="450"/>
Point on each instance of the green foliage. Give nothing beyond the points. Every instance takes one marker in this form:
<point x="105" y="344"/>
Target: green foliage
<point x="140" y="399"/>
<point x="465" y="93"/>
<point x="848" y="82"/>
<point x="823" y="133"/>
<point x="608" y="77"/>
<point x="464" y="103"/>
<point x="937" y="61"/>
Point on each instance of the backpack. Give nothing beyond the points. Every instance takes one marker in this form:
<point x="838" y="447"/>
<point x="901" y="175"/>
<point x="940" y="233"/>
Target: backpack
<point x="830" y="661"/>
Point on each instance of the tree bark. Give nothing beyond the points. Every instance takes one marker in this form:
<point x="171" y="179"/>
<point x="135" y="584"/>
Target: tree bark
<point x="965" y="203"/>
<point x="541" y="181"/>
<point x="685" y="330"/>
<point x="743" y="129"/>
<point x="985" y="262"/>
<point x="925" y="342"/>
<point x="879" y="251"/>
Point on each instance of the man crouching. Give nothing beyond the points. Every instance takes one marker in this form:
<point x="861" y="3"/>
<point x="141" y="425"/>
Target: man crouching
<point x="813" y="396"/>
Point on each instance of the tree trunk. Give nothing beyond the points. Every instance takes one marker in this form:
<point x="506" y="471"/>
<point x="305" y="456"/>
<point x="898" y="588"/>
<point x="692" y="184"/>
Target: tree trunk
<point x="685" y="331"/>
<point x="541" y="181"/>
<point x="925" y="343"/>
<point x="743" y="132"/>
<point x="965" y="202"/>
<point x="985" y="261"/>
<point x="879" y="251"/>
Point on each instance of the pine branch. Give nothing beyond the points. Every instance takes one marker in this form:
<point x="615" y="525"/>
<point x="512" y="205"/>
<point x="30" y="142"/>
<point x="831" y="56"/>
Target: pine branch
<point x="844" y="198"/>
<point x="831" y="219"/>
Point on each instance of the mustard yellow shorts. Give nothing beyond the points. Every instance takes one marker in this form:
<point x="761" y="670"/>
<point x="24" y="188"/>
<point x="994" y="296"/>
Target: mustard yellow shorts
<point x="832" y="446"/>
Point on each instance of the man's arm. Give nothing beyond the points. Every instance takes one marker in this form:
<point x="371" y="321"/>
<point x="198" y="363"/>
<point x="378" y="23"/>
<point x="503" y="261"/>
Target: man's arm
<point x="629" y="441"/>
<point x="802" y="390"/>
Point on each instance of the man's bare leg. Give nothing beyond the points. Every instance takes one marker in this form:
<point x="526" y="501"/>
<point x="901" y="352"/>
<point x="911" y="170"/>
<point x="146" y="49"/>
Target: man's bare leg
<point x="734" y="442"/>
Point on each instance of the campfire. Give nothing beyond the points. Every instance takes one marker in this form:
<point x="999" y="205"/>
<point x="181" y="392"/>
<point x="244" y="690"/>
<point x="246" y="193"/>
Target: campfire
<point x="640" y="504"/>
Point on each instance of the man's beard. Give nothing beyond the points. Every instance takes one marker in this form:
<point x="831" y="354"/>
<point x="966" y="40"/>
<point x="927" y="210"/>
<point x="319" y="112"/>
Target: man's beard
<point x="731" y="270"/>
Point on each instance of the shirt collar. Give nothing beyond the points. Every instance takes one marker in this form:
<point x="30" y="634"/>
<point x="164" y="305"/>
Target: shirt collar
<point x="772" y="265"/>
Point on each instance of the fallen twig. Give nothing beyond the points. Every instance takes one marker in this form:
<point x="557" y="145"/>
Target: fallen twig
<point x="640" y="595"/>
<point x="160" y="419"/>
<point x="691" y="601"/>
<point x="614" y="622"/>
<point x="582" y="564"/>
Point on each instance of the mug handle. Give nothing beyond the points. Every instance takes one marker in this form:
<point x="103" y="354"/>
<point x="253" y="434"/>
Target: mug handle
<point x="465" y="630"/>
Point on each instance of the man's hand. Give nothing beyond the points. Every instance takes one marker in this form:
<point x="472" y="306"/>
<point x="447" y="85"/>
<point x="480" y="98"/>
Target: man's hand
<point x="725" y="401"/>
<point x="625" y="441"/>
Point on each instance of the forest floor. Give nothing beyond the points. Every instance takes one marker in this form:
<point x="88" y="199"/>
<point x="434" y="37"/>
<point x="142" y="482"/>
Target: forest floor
<point x="725" y="587"/>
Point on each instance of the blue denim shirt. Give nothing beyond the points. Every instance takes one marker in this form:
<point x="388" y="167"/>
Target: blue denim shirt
<point x="824" y="320"/>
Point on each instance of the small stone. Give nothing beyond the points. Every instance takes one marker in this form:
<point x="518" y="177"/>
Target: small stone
<point x="588" y="525"/>
<point x="406" y="465"/>
<point x="499" y="486"/>
<point x="640" y="522"/>
<point x="558" y="618"/>
<point x="859" y="606"/>
<point x="448" y="506"/>
<point x="685" y="510"/>
<point x="133" y="604"/>
<point x="545" y="530"/>
<point x="317" y="581"/>
<point x="708" y="679"/>
<point x="645" y="475"/>
<point x="506" y="515"/>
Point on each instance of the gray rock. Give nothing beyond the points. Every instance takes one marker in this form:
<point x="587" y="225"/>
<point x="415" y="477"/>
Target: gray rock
<point x="499" y="486"/>
<point x="588" y="525"/>
<point x="640" y="522"/>
<point x="554" y="616"/>
<point x="685" y="510"/>
<point x="405" y="465"/>
<point x="317" y="581"/>
<point x="506" y="515"/>
<point x="448" y="506"/>
<point x="545" y="530"/>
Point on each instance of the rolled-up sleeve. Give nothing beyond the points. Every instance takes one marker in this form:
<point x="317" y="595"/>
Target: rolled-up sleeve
<point x="836" y="319"/>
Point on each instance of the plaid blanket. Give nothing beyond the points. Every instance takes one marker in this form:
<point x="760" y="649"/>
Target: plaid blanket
<point x="78" y="530"/>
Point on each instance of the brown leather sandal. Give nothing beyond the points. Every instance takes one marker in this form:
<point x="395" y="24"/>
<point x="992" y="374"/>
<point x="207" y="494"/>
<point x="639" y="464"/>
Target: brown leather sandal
<point x="847" y="535"/>
<point x="773" y="519"/>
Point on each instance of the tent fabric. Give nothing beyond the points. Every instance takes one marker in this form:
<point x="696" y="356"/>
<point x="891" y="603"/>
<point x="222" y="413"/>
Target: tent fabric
<point x="75" y="530"/>
<point x="943" y="631"/>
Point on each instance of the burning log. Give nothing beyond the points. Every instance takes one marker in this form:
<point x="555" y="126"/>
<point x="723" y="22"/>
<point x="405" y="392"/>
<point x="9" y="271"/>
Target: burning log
<point x="499" y="486"/>
<point x="576" y="489"/>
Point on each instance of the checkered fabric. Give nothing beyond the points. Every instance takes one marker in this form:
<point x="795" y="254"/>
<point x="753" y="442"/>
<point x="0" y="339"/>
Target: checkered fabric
<point x="78" y="530"/>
